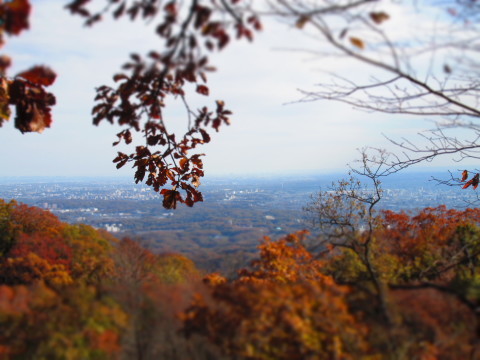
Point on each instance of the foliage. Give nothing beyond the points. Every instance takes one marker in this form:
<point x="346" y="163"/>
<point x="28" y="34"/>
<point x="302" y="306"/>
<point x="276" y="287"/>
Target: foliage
<point x="189" y="31"/>
<point x="72" y="292"/>
<point x="284" y="308"/>
<point x="402" y="267"/>
<point x="26" y="90"/>
<point x="395" y="286"/>
<point x="409" y="288"/>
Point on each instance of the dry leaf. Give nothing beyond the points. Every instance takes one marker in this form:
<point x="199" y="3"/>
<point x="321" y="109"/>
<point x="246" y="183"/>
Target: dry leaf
<point x="357" y="42"/>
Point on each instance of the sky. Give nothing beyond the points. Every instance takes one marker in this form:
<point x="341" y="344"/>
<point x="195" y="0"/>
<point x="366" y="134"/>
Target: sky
<point x="270" y="132"/>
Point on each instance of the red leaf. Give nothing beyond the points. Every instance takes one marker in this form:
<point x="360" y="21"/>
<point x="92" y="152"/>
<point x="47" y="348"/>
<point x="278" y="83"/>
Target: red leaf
<point x="202" y="89"/>
<point x="39" y="75"/>
<point x="171" y="8"/>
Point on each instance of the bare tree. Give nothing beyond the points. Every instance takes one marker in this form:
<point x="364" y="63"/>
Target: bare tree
<point x="346" y="216"/>
<point x="422" y="59"/>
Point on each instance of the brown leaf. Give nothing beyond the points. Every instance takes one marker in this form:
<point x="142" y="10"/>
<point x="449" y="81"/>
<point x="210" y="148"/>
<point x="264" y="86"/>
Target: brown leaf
<point x="5" y="62"/>
<point x="32" y="105"/>
<point x="357" y="42"/>
<point x="379" y="17"/>
<point x="195" y="159"/>
<point x="32" y="120"/>
<point x="196" y="181"/>
<point x="184" y="163"/>
<point x="170" y="198"/>
<point x="302" y="20"/>
<point x="118" y="77"/>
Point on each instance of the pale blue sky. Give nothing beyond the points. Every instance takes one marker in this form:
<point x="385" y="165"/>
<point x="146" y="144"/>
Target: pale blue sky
<point x="255" y="80"/>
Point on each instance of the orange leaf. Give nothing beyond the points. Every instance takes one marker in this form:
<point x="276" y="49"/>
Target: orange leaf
<point x="473" y="181"/>
<point x="359" y="43"/>
<point x="183" y="162"/>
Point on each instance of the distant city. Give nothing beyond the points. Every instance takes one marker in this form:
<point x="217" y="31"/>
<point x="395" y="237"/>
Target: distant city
<point x="94" y="200"/>
<point x="235" y="214"/>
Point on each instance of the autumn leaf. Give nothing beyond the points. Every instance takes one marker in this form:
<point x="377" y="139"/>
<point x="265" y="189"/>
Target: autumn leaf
<point x="359" y="43"/>
<point x="196" y="181"/>
<point x="302" y="21"/>
<point x="5" y="62"/>
<point x="379" y="17"/>
<point x="170" y="198"/>
<point x="202" y="89"/>
<point x="32" y="104"/>
<point x="473" y="181"/>
<point x="184" y="163"/>
<point x="33" y="120"/>
<point x="39" y="75"/>
<point x="118" y="77"/>
<point x="4" y="101"/>
<point x="171" y="8"/>
<point x="195" y="159"/>
<point x="15" y="16"/>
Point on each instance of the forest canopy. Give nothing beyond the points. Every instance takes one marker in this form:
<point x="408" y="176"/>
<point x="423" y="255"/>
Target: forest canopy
<point x="406" y="289"/>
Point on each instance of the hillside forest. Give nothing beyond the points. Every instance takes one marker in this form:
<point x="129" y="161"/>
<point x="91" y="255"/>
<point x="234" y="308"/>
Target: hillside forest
<point x="397" y="286"/>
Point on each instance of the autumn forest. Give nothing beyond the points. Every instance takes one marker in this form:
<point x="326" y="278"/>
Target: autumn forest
<point x="407" y="288"/>
<point x="360" y="283"/>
